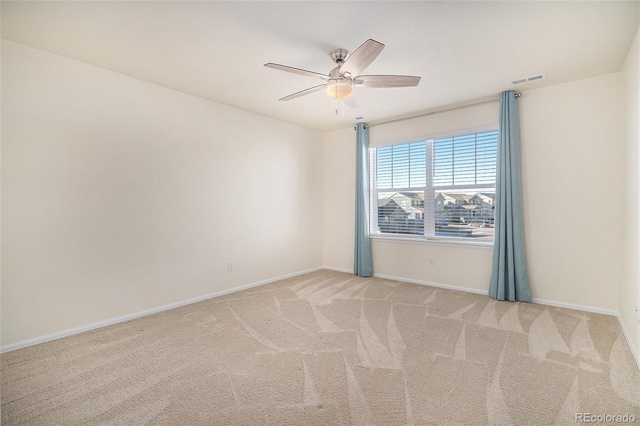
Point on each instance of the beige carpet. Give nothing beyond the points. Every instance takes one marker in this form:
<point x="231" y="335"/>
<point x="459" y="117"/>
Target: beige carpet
<point x="328" y="348"/>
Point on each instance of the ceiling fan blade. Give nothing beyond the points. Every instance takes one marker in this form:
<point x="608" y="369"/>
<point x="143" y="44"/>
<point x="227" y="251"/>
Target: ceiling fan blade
<point x="297" y="71"/>
<point x="361" y="58"/>
<point x="304" y="92"/>
<point x="386" y="80"/>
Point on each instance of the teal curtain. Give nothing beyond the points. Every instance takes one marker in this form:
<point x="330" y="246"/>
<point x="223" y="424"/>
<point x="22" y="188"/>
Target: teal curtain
<point x="362" y="263"/>
<point x="509" y="276"/>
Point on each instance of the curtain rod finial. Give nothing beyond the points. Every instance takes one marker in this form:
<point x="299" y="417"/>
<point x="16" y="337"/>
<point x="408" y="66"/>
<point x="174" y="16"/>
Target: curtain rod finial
<point x="517" y="95"/>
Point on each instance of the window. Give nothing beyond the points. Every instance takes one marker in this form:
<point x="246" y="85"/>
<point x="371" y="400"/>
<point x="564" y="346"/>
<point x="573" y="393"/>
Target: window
<point x="437" y="188"/>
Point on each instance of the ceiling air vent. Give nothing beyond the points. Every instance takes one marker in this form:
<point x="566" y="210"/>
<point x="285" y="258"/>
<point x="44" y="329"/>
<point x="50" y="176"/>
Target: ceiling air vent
<point x="529" y="79"/>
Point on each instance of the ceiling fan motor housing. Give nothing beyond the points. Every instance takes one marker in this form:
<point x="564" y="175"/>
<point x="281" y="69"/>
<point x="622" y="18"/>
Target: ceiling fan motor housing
<point x="339" y="55"/>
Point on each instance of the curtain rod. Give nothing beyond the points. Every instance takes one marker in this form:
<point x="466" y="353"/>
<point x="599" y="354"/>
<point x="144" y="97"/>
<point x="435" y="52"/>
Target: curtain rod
<point x="450" y="107"/>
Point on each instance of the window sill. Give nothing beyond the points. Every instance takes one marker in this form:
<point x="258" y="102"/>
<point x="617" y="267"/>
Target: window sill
<point x="433" y="241"/>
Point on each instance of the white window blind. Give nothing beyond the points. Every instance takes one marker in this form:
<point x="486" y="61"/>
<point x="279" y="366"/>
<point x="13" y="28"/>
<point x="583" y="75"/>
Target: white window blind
<point x="402" y="166"/>
<point x="437" y="188"/>
<point x="465" y="160"/>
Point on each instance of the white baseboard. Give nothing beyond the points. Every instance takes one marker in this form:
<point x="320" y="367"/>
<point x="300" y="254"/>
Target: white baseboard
<point x="432" y="284"/>
<point x="100" y="324"/>
<point x="575" y="307"/>
<point x="634" y="350"/>
<point x="331" y="268"/>
<point x="486" y="292"/>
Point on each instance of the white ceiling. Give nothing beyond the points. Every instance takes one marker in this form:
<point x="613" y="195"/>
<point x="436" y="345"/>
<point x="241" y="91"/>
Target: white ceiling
<point x="216" y="50"/>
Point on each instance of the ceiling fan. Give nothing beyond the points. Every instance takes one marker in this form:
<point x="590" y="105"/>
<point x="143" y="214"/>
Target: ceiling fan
<point x="340" y="81"/>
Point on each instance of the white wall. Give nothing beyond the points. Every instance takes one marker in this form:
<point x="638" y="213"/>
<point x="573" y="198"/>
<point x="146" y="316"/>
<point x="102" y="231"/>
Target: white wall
<point x="121" y="196"/>
<point x="572" y="159"/>
<point x="339" y="173"/>
<point x="630" y="288"/>
<point x="573" y="166"/>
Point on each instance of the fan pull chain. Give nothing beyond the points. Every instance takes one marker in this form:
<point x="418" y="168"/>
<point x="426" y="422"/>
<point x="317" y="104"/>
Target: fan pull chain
<point x="340" y="105"/>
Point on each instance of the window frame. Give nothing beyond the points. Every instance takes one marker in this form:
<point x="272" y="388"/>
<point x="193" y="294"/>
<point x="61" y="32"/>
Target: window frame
<point x="429" y="200"/>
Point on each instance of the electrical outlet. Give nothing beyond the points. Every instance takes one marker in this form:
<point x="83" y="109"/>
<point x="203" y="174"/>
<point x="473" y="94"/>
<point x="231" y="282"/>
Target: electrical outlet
<point x="229" y="266"/>
<point x="432" y="261"/>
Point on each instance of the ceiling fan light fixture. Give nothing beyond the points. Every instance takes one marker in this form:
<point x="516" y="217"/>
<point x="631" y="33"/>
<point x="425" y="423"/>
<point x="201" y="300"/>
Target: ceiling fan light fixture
<point x="339" y="88"/>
